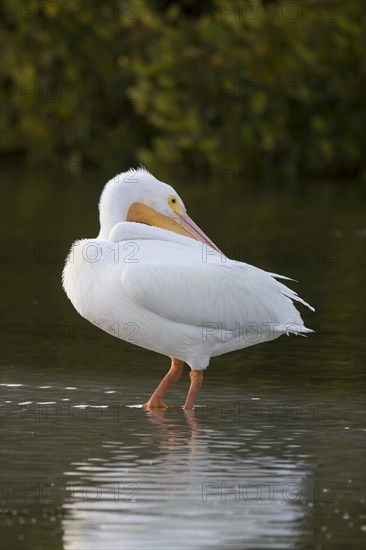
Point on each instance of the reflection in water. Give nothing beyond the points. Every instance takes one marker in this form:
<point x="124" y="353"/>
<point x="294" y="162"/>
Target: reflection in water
<point x="194" y="489"/>
<point x="266" y="466"/>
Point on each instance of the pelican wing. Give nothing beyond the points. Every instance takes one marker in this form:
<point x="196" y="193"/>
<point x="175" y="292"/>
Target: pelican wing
<point x="223" y="294"/>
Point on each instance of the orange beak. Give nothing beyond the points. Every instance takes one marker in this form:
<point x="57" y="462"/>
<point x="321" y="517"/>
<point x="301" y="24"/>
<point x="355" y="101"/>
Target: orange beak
<point x="184" y="225"/>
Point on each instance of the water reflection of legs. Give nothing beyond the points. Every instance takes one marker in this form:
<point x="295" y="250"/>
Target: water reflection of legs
<point x="174" y="436"/>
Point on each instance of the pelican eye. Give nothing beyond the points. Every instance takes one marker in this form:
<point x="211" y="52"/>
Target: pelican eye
<point x="174" y="205"/>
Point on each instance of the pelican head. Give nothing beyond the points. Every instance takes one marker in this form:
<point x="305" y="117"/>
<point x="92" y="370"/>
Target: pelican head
<point x="136" y="196"/>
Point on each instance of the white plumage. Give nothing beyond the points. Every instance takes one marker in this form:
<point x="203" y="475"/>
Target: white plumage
<point x="166" y="291"/>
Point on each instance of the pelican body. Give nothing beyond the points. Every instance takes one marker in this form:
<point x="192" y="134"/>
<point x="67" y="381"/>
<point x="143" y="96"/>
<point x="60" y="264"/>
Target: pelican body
<point x="154" y="279"/>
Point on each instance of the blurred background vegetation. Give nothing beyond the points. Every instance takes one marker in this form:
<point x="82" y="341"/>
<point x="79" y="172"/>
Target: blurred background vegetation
<point x="186" y="87"/>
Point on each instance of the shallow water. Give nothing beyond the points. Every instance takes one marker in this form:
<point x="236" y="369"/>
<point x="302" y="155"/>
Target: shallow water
<point x="272" y="455"/>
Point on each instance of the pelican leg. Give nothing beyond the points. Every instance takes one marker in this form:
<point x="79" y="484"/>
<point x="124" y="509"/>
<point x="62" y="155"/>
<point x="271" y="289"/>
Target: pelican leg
<point x="196" y="377"/>
<point x="175" y="372"/>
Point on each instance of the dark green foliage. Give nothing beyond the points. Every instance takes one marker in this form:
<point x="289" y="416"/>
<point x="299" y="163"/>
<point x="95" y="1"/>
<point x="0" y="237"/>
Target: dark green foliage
<point x="229" y="85"/>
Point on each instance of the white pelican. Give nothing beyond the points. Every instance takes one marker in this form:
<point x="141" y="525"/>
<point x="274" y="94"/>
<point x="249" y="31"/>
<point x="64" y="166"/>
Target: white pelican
<point x="152" y="277"/>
